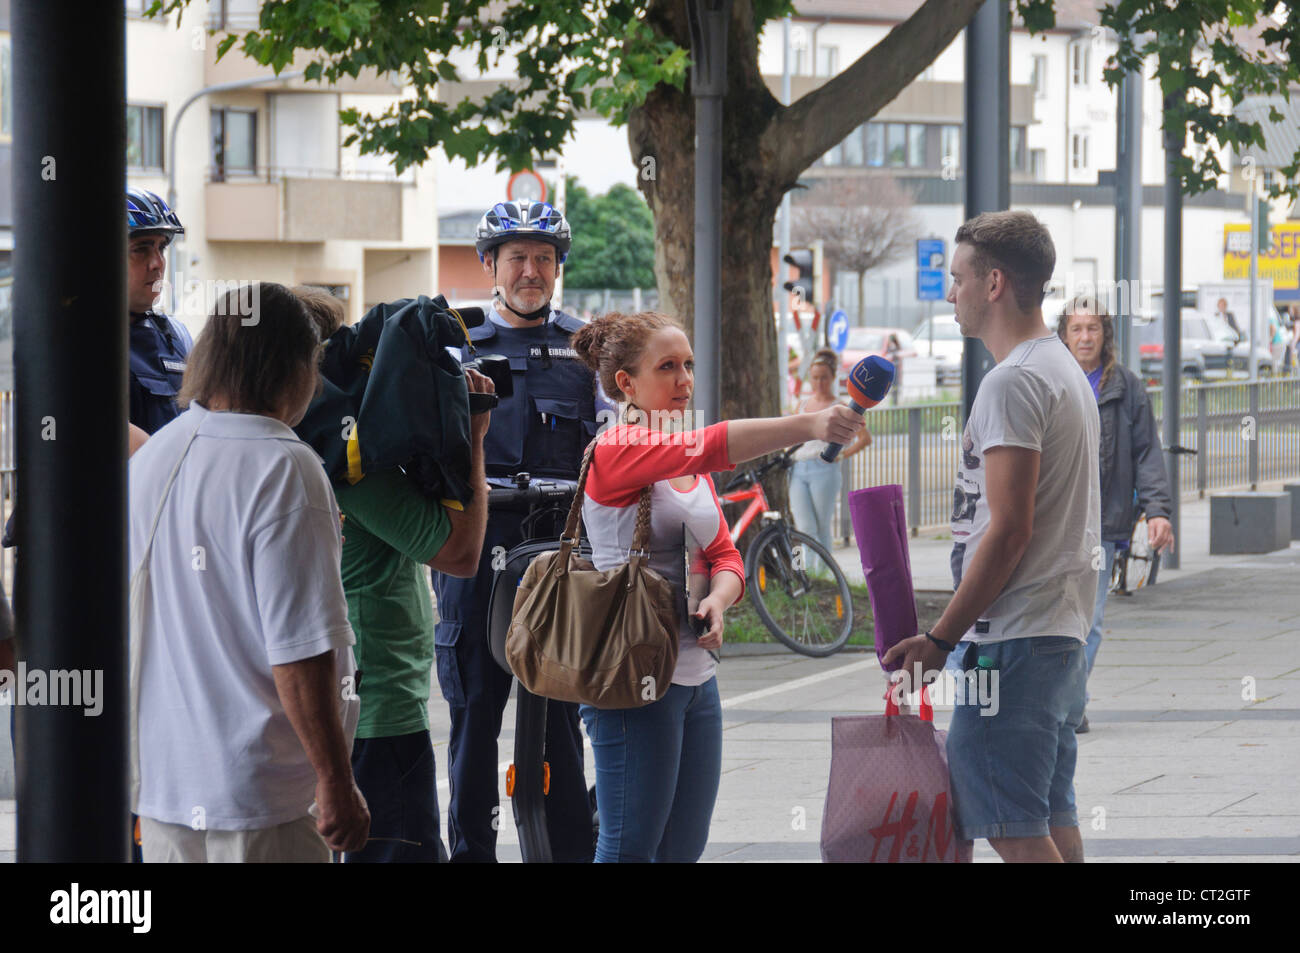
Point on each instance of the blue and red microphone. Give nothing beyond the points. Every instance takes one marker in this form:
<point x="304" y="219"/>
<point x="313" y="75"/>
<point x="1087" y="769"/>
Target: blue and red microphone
<point x="869" y="382"/>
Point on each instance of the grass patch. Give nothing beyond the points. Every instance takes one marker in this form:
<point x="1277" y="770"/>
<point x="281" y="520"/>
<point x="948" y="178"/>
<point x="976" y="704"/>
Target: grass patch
<point x="744" y="625"/>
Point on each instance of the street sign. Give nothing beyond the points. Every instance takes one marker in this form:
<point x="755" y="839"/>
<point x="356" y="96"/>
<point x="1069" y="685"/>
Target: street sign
<point x="931" y="256"/>
<point x="931" y="253"/>
<point x="837" y="331"/>
<point x="526" y="184"/>
<point x="929" y="284"/>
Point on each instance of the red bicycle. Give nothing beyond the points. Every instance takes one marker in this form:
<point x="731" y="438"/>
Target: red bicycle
<point x="797" y="587"/>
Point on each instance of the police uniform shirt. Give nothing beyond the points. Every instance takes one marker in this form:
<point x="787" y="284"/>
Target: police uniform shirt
<point x="545" y="425"/>
<point x="159" y="349"/>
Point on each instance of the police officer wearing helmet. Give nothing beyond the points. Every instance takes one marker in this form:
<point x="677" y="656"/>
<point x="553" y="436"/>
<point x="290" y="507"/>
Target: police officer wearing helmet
<point x="542" y="429"/>
<point x="159" y="344"/>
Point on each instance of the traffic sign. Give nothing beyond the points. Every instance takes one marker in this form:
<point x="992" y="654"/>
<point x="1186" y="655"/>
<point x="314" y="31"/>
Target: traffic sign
<point x="931" y="253"/>
<point x="929" y="284"/>
<point x="526" y="184"/>
<point x="837" y="330"/>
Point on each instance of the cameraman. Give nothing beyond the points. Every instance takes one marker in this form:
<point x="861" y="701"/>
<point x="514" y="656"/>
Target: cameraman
<point x="392" y="530"/>
<point x="542" y="429"/>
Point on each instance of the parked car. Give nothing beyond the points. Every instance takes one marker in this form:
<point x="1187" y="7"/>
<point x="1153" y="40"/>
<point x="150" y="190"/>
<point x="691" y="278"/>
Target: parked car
<point x="1208" y="351"/>
<point x="940" y="338"/>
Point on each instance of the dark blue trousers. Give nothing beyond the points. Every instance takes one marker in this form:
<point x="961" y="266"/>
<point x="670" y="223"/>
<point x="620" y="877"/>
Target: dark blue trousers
<point x="396" y="777"/>
<point x="476" y="690"/>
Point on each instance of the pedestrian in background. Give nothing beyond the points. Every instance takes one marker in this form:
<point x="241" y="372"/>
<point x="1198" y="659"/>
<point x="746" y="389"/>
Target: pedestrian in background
<point x="815" y="485"/>
<point x="1129" y="449"/>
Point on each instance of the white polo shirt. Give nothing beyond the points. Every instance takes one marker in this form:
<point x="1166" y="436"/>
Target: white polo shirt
<point x="244" y="575"/>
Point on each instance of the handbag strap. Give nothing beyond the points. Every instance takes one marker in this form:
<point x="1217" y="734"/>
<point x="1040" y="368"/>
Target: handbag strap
<point x="572" y="533"/>
<point x="167" y="489"/>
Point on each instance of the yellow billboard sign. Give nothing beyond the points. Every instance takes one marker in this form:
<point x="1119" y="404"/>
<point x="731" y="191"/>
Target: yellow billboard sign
<point x="1280" y="263"/>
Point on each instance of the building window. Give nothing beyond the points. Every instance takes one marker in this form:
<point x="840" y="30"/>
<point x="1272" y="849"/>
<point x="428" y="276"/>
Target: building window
<point x="950" y="146"/>
<point x="1079" y="63"/>
<point x="834" y="156"/>
<point x="916" y="146"/>
<point x="234" y="142"/>
<point x="6" y="90"/>
<point x="1079" y="150"/>
<point x="1039" y="78"/>
<point x="896" y="143"/>
<point x="875" y="144"/>
<point x="853" y="147"/>
<point x="144" y="137"/>
<point x="800" y="61"/>
<point x="1038" y="164"/>
<point x="828" y="60"/>
<point x="1017" y="149"/>
<point x="232" y="15"/>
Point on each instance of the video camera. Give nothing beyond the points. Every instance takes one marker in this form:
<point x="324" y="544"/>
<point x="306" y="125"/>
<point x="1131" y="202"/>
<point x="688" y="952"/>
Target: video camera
<point x="495" y="367"/>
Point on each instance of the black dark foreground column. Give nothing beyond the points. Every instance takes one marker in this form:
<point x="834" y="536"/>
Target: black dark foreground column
<point x="70" y="331"/>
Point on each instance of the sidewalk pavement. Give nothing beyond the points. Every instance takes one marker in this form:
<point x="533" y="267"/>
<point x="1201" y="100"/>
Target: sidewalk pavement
<point x="1194" y="752"/>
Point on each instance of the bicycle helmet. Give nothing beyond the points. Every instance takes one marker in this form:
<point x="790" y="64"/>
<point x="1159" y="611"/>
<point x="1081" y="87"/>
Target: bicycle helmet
<point x="146" y="212"/>
<point x="507" y="221"/>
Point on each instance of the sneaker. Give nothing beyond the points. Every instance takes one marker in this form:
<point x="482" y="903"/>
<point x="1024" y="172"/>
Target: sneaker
<point x="1083" y="728"/>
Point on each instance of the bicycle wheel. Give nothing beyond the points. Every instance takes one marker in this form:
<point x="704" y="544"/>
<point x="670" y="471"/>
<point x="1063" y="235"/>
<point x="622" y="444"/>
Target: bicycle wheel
<point x="1142" y="560"/>
<point x="810" y="613"/>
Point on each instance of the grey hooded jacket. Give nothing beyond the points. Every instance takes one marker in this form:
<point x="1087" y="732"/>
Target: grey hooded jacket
<point x="1131" y="456"/>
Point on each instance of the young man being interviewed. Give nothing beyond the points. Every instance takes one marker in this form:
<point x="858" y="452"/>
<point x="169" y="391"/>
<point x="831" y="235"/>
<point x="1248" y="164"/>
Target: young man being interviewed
<point x="1026" y="524"/>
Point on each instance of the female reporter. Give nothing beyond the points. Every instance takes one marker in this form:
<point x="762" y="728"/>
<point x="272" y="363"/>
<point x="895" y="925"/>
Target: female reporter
<point x="658" y="766"/>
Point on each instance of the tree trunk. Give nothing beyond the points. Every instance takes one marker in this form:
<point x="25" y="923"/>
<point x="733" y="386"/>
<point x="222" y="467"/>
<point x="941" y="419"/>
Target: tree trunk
<point x="765" y="148"/>
<point x="664" y="128"/>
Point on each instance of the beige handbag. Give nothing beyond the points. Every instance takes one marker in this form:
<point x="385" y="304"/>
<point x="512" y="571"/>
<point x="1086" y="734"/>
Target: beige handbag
<point x="577" y="634"/>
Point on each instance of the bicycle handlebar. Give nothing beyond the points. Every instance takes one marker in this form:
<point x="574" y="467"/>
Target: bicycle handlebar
<point x="535" y="492"/>
<point x="754" y="475"/>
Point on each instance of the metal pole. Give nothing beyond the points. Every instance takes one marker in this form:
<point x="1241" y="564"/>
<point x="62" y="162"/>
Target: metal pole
<point x="1251" y="370"/>
<point x="988" y="147"/>
<point x="783" y="298"/>
<point x="69" y="172"/>
<point x="557" y="296"/>
<point x="709" y="20"/>
<point x="1172" y="299"/>
<point x="1128" y="215"/>
<point x="179" y="242"/>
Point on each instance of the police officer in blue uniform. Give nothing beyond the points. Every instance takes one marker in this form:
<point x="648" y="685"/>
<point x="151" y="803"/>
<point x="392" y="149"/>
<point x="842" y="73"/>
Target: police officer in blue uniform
<point x="159" y="344"/>
<point x="542" y="429"/>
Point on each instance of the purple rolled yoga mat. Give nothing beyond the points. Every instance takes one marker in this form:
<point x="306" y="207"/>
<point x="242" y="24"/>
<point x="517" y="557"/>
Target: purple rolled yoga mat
<point x="880" y="527"/>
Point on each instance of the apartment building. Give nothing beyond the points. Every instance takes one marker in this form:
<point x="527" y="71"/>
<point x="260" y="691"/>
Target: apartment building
<point x="263" y="183"/>
<point x="1062" y="145"/>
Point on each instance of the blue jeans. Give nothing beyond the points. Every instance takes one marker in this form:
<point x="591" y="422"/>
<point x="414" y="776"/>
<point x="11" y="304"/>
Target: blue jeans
<point x="1013" y="771"/>
<point x="814" y="488"/>
<point x="1099" y="609"/>
<point x="657" y="773"/>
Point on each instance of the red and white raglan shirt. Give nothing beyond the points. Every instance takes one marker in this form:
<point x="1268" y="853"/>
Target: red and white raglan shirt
<point x="629" y="458"/>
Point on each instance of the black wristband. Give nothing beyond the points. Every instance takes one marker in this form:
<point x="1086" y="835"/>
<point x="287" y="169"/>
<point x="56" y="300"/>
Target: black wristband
<point x="943" y="645"/>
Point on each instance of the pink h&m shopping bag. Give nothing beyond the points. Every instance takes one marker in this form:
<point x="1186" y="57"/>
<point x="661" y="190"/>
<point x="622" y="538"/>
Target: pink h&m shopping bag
<point x="889" y="798"/>
<point x="880" y="527"/>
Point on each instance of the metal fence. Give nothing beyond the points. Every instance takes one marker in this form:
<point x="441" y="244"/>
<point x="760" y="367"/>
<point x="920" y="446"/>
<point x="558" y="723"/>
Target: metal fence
<point x="1244" y="434"/>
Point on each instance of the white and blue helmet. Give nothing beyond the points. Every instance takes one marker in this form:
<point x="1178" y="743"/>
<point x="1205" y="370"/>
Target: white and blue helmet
<point x="508" y="221"/>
